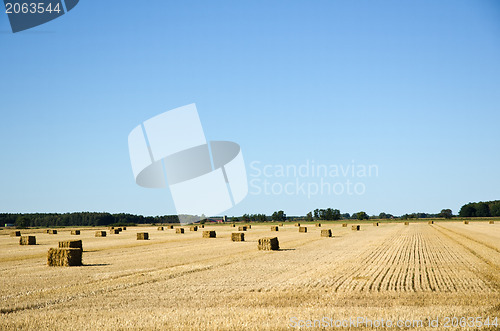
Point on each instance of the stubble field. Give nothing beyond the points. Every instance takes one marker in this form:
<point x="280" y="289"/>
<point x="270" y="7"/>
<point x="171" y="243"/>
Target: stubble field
<point x="418" y="272"/>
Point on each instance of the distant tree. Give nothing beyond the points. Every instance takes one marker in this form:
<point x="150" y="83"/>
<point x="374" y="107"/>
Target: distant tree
<point x="245" y="218"/>
<point x="362" y="215"/>
<point x="316" y="214"/>
<point x="467" y="210"/>
<point x="495" y="208"/>
<point x="482" y="209"/>
<point x="446" y="213"/>
<point x="309" y="217"/>
<point x="22" y="222"/>
<point x="346" y="216"/>
<point x="278" y="216"/>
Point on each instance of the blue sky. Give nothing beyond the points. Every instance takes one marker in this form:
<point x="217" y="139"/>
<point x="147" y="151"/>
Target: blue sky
<point x="411" y="87"/>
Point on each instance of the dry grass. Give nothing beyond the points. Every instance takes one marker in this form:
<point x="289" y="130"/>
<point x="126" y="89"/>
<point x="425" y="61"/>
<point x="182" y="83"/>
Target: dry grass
<point x="268" y="244"/>
<point x="64" y="257"/>
<point x="237" y="236"/>
<point x="209" y="234"/>
<point x="187" y="283"/>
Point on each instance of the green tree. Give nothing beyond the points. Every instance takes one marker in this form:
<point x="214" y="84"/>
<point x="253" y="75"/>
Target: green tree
<point x="278" y="216"/>
<point x="22" y="222"/>
<point x="309" y="217"/>
<point x="446" y="213"/>
<point x="362" y="216"/>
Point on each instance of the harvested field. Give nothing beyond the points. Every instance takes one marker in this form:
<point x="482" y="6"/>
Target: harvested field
<point x="71" y="244"/>
<point x="27" y="240"/>
<point x="64" y="257"/>
<point x="190" y="283"/>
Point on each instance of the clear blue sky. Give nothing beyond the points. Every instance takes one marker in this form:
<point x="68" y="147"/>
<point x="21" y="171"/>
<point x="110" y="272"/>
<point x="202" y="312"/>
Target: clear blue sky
<point x="412" y="87"/>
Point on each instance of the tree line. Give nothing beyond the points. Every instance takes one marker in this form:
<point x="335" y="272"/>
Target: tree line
<point x="81" y="219"/>
<point x="480" y="209"/>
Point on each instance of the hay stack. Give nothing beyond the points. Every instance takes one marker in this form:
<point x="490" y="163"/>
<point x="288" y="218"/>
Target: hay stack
<point x="160" y="228"/>
<point x="193" y="228"/>
<point x="170" y="227"/>
<point x="344" y="225"/>
<point x="233" y="225"/>
<point x="202" y="226"/>
<point x="318" y="225"/>
<point x="52" y="231"/>
<point x="375" y="224"/>
<point x="15" y="234"/>
<point x="326" y="233"/>
<point x="268" y="244"/>
<point x="114" y="231"/>
<point x="237" y="236"/>
<point x="466" y="222"/>
<point x="75" y="232"/>
<point x="124" y="228"/>
<point x="430" y="222"/>
<point x="142" y="236"/>
<point x="27" y="240"/>
<point x="355" y="227"/>
<point x="100" y="233"/>
<point x="407" y="223"/>
<point x="492" y="222"/>
<point x="281" y="224"/>
<point x="274" y="228"/>
<point x="47" y="231"/>
<point x="297" y="224"/>
<point x="64" y="257"/>
<point x="71" y="244"/>
<point x="209" y="234"/>
<point x="179" y="230"/>
<point x="242" y="228"/>
<point x="119" y="229"/>
<point x="249" y="226"/>
<point x="303" y="229"/>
